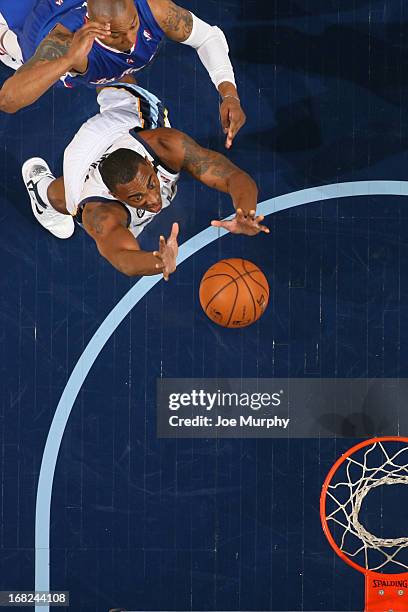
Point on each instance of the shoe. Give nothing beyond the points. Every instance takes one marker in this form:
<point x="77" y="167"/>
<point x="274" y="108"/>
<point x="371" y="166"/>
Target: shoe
<point x="10" y="61"/>
<point x="14" y="60"/>
<point x="62" y="226"/>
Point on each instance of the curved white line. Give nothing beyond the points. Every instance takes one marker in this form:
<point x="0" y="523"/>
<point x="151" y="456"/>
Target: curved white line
<point x="116" y="316"/>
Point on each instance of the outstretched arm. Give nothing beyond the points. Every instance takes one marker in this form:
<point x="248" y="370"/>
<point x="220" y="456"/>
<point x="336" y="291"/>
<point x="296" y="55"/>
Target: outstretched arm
<point x="60" y="52"/>
<point x="107" y="224"/>
<point x="216" y="171"/>
<point x="211" y="45"/>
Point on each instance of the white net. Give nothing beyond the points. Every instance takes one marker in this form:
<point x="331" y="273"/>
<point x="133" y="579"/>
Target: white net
<point x="378" y="465"/>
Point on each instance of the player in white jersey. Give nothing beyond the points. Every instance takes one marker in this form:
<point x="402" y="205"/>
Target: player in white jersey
<point x="121" y="170"/>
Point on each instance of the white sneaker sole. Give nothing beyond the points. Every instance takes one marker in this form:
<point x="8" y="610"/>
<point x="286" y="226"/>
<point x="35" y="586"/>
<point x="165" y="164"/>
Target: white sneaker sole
<point x="66" y="226"/>
<point x="10" y="62"/>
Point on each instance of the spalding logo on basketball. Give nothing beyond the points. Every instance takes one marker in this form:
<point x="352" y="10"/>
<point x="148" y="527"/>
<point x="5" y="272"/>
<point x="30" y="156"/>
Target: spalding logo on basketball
<point x="234" y="293"/>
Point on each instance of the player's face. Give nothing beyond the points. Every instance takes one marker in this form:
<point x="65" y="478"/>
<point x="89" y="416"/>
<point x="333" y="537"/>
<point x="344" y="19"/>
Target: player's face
<point x="143" y="191"/>
<point x="123" y="30"/>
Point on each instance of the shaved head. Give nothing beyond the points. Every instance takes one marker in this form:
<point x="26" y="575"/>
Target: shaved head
<point x="123" y="20"/>
<point x="132" y="179"/>
<point x="120" y="167"/>
<point x="108" y="8"/>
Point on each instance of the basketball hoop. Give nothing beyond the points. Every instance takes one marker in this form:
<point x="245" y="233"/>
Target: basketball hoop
<point x="383" y="561"/>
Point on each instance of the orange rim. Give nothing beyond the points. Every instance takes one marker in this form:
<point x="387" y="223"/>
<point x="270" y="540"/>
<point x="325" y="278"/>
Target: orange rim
<point x="326" y="485"/>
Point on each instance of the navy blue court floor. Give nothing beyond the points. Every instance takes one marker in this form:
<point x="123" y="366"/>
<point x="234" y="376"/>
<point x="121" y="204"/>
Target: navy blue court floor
<point x="154" y="524"/>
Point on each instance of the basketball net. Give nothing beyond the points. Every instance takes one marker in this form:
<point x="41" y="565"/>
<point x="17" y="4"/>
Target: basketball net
<point x="383" y="561"/>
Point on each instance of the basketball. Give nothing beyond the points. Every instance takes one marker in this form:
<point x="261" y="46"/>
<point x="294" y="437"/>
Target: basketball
<point x="234" y="293"/>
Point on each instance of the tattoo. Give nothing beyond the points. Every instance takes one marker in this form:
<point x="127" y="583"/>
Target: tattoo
<point x="178" y="21"/>
<point x="199" y="161"/>
<point x="95" y="217"/>
<point x="54" y="46"/>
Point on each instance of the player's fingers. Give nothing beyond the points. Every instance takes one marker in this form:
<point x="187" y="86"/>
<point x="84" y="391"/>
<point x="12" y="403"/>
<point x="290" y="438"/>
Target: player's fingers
<point x="232" y="130"/>
<point x="96" y="25"/>
<point x="230" y="135"/>
<point x="261" y="228"/>
<point x="252" y="214"/>
<point x="94" y="33"/>
<point x="87" y="40"/>
<point x="160" y="265"/>
<point x="237" y="119"/>
<point x="93" y="26"/>
<point x="234" y="123"/>
<point x="240" y="212"/>
<point x="224" y="224"/>
<point x="241" y="121"/>
<point x="175" y="231"/>
<point x="162" y="244"/>
<point x="224" y="116"/>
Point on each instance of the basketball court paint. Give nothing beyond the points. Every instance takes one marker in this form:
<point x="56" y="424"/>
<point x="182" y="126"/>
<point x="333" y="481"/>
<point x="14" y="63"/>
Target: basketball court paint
<point x="152" y="524"/>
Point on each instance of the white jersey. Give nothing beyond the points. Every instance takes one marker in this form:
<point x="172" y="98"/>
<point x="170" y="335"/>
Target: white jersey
<point x="95" y="190"/>
<point x="115" y="127"/>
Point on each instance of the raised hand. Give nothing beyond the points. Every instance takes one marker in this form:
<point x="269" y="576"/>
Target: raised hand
<point x="83" y="40"/>
<point x="232" y="118"/>
<point x="243" y="223"/>
<point x="167" y="253"/>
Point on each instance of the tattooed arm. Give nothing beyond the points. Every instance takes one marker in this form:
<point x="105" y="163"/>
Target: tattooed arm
<point x="176" y="22"/>
<point x="60" y="52"/>
<point x="107" y="224"/>
<point x="216" y="171"/>
<point x="211" y="45"/>
<point x="211" y="168"/>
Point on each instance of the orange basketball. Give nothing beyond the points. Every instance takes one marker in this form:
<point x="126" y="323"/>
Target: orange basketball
<point x="234" y="293"/>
